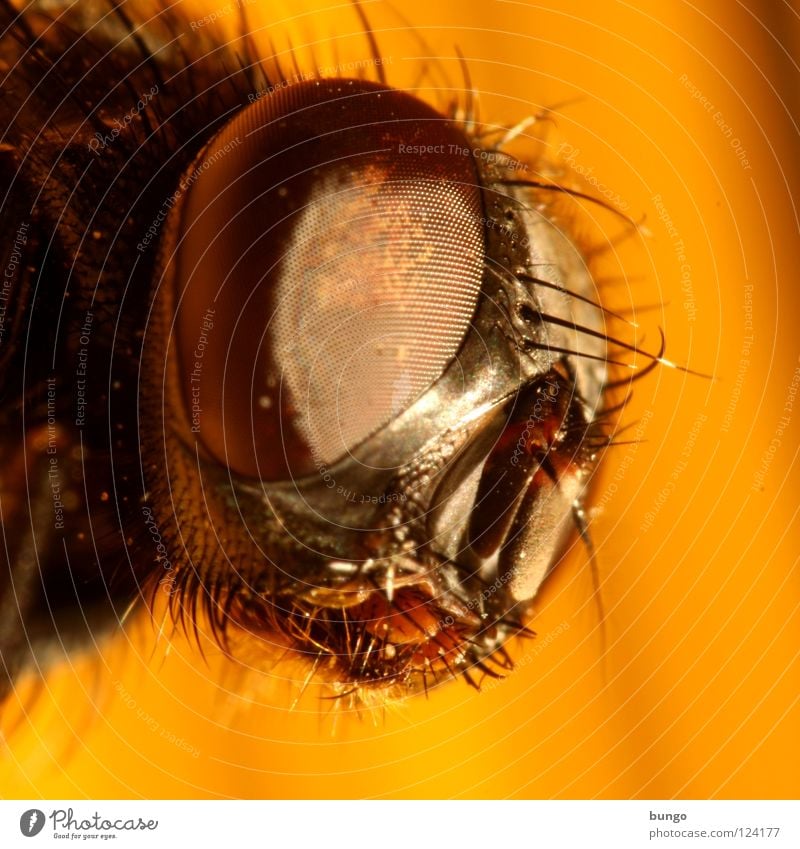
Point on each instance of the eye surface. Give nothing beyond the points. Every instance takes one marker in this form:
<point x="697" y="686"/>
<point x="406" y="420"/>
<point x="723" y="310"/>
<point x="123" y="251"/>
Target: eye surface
<point x="340" y="249"/>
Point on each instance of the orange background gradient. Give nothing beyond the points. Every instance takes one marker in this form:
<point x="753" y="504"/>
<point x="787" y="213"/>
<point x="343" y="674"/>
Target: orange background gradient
<point x="697" y="695"/>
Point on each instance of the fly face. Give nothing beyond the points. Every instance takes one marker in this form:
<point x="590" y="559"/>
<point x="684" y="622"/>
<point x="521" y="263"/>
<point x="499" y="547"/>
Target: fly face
<point x="375" y="366"/>
<point x="317" y="361"/>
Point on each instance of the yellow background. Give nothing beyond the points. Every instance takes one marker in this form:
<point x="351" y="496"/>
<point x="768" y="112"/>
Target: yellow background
<point x="698" y="693"/>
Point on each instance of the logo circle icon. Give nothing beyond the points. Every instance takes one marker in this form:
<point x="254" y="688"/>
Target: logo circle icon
<point x="31" y="822"/>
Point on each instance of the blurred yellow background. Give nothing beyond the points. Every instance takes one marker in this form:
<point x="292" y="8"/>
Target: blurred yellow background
<point x="687" y="112"/>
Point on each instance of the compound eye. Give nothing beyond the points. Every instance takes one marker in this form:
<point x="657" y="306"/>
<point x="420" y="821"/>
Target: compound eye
<point x="328" y="259"/>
